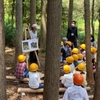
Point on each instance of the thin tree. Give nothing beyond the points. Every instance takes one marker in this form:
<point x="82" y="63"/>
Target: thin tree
<point x="32" y="12"/>
<point x="13" y="12"/>
<point x="92" y="17"/>
<point x="70" y="12"/>
<point x="2" y="54"/>
<point x="51" y="83"/>
<point x="87" y="40"/>
<point x="97" y="79"/>
<point x="18" y="49"/>
<point x="43" y="24"/>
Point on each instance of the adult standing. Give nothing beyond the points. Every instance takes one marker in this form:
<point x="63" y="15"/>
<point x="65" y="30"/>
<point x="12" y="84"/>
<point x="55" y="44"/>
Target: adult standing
<point x="72" y="34"/>
<point x="32" y="35"/>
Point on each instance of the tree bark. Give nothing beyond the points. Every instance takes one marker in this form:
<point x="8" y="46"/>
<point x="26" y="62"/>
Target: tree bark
<point x="18" y="49"/>
<point x="32" y="12"/>
<point x="97" y="79"/>
<point x="70" y="12"/>
<point x="43" y="24"/>
<point x="90" y="78"/>
<point x="92" y="19"/>
<point x="2" y="54"/>
<point x="52" y="71"/>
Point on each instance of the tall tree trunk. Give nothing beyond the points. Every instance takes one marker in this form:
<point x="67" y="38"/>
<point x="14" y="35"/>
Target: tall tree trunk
<point x="97" y="79"/>
<point x="87" y="39"/>
<point x="70" y="12"/>
<point x="43" y="24"/>
<point x="18" y="49"/>
<point x="51" y="83"/>
<point x="32" y="12"/>
<point x="2" y="51"/>
<point x="13" y="10"/>
<point x="92" y="19"/>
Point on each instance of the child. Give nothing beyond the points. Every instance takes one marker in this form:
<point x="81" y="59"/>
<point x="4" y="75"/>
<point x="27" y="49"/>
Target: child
<point x="61" y="55"/>
<point x="93" y="43"/>
<point x="66" y="49"/>
<point x="67" y="80"/>
<point x="80" y="69"/>
<point x="94" y="57"/>
<point x="34" y="78"/>
<point x="80" y="58"/>
<point x="69" y="44"/>
<point x="21" y="68"/>
<point x="75" y="51"/>
<point x="69" y="61"/>
<point x="76" y="92"/>
<point x="82" y="50"/>
<point x="75" y="59"/>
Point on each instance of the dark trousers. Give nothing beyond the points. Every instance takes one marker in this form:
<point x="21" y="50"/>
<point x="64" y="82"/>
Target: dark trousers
<point x="33" y="58"/>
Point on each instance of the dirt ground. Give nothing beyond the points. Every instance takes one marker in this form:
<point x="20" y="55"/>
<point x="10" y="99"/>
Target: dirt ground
<point x="12" y="88"/>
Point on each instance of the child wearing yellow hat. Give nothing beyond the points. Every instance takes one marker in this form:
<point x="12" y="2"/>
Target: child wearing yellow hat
<point x="21" y="68"/>
<point x="67" y="80"/>
<point x="34" y="78"/>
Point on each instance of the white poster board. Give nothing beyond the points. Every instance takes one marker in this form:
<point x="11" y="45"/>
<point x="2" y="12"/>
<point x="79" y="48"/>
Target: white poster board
<point x="30" y="45"/>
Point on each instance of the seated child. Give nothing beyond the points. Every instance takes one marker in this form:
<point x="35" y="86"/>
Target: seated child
<point x="34" y="78"/>
<point x="80" y="69"/>
<point x="76" y="92"/>
<point x="21" y="68"/>
<point x="82" y="50"/>
<point x="94" y="57"/>
<point x="75" y="56"/>
<point x="66" y="49"/>
<point x="68" y="44"/>
<point x="80" y="58"/>
<point x="61" y="54"/>
<point x="67" y="80"/>
<point x="69" y="61"/>
<point x="74" y="51"/>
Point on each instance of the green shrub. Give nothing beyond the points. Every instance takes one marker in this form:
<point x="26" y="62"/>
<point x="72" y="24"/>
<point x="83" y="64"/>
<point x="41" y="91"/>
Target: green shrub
<point x="9" y="34"/>
<point x="81" y="38"/>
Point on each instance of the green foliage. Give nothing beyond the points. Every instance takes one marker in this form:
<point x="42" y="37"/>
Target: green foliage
<point x="81" y="37"/>
<point x="9" y="34"/>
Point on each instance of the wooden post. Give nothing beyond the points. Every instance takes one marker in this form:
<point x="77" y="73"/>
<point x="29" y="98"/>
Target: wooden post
<point x="37" y="58"/>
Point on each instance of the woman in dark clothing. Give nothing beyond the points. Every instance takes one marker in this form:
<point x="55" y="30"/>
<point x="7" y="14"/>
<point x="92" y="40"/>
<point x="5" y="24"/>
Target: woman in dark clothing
<point x="72" y="34"/>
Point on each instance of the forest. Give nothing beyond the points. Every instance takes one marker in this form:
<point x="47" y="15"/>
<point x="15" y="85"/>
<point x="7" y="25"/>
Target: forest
<point x="52" y="50"/>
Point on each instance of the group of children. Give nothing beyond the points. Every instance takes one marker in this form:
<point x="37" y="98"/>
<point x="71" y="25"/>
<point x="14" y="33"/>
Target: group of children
<point x="23" y="72"/>
<point x="74" y="68"/>
<point x="74" y="65"/>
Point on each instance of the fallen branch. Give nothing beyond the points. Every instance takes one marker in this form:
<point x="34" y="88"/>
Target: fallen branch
<point x="29" y="90"/>
<point x="14" y="78"/>
<point x="24" y="79"/>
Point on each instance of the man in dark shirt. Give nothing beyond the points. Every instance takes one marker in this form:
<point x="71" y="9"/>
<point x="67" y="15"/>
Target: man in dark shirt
<point x="72" y="34"/>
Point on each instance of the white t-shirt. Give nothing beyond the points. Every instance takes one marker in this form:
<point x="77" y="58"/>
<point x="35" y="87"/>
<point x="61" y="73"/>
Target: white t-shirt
<point x="33" y="34"/>
<point x="75" y="93"/>
<point x="67" y="80"/>
<point x="34" y="80"/>
<point x="72" y="67"/>
<point x="81" y="61"/>
<point x="94" y="56"/>
<point x="84" y="54"/>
